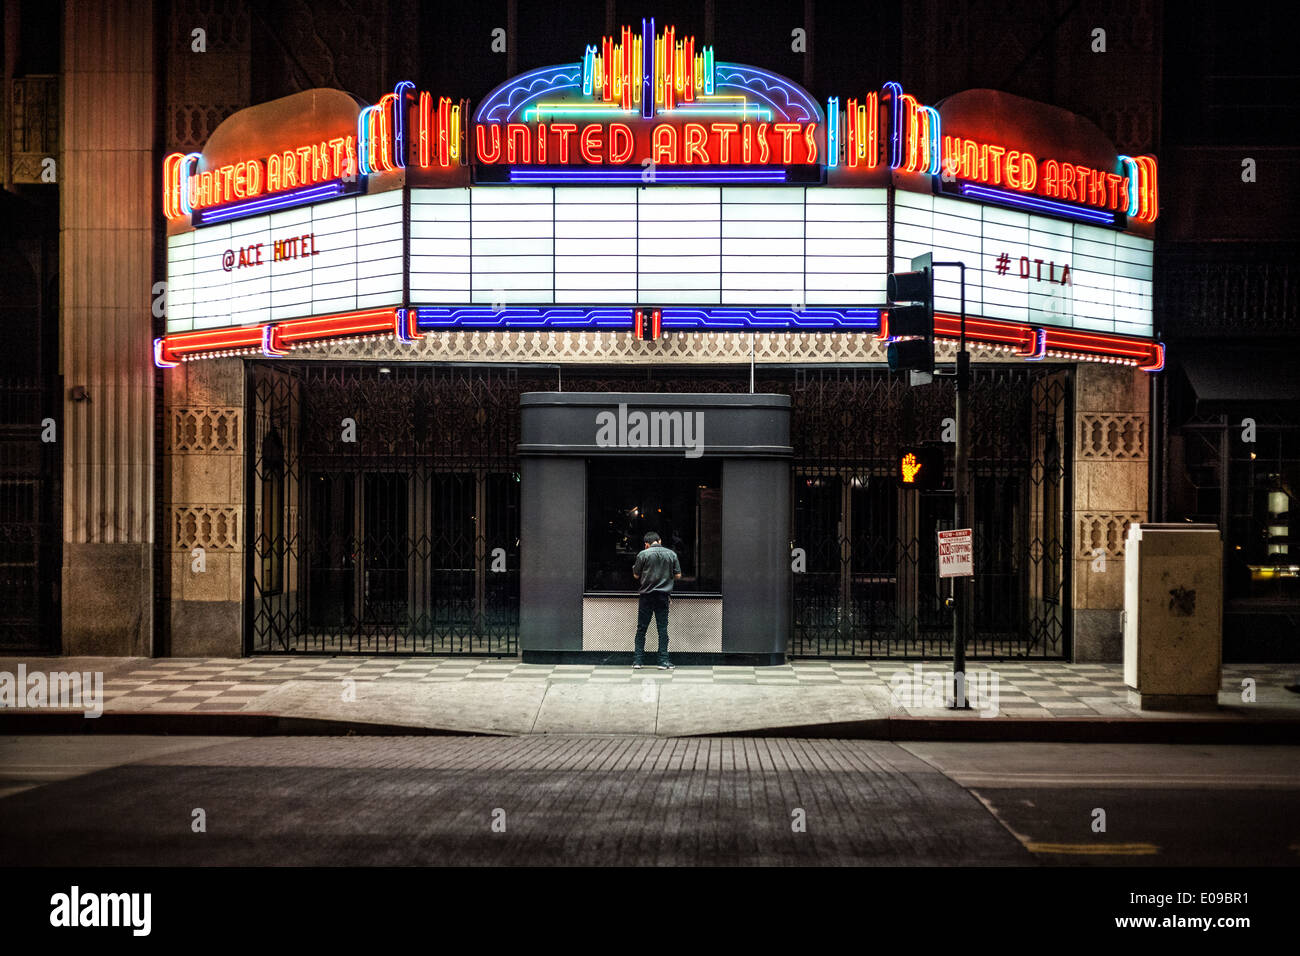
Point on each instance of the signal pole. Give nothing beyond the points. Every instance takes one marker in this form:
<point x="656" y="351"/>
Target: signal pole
<point x="961" y="586"/>
<point x="915" y="353"/>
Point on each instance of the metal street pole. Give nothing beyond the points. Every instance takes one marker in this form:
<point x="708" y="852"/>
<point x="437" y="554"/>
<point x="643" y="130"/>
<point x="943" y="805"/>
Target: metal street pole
<point x="961" y="586"/>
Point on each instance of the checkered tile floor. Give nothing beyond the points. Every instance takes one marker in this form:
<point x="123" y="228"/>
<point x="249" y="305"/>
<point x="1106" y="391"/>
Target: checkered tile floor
<point x="1037" y="689"/>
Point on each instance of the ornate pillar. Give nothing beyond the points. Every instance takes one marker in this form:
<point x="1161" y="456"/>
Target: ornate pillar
<point x="203" y="492"/>
<point x="106" y="243"/>
<point x="1112" y="442"/>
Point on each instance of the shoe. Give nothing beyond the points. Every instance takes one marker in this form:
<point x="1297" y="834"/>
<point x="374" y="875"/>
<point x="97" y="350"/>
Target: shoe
<point x="665" y="666"/>
<point x="636" y="666"/>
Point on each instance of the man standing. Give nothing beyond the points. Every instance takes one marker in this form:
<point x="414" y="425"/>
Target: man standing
<point x="655" y="568"/>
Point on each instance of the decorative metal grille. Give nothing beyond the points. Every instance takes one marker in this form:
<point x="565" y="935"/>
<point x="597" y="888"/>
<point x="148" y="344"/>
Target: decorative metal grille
<point x="397" y="494"/>
<point x="394" y="518"/>
<point x="870" y="587"/>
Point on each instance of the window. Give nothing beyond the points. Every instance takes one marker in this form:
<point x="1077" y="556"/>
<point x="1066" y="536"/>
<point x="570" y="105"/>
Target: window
<point x="679" y="498"/>
<point x="1264" y="476"/>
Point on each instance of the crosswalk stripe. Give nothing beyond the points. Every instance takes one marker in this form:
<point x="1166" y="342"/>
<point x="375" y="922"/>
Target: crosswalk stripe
<point x="1095" y="849"/>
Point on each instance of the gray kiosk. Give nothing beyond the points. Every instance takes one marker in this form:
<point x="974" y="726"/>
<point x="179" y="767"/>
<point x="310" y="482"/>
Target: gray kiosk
<point x="710" y="473"/>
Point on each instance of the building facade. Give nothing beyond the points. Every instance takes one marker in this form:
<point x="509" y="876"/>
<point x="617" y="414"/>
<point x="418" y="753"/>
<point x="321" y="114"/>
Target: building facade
<point x="217" y="503"/>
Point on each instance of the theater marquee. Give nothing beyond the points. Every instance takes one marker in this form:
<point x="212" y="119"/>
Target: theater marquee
<point x="648" y="184"/>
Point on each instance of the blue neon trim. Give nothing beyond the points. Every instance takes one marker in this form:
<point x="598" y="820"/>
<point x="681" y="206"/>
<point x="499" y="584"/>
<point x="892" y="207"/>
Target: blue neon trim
<point x="399" y="125"/>
<point x="935" y="140"/>
<point x="251" y="207"/>
<point x="1040" y="346"/>
<point x="512" y="317"/>
<point x="895" y="93"/>
<point x="588" y="70"/>
<point x="647" y="68"/>
<point x="761" y="83"/>
<point x="860" y="320"/>
<point x="529" y="87"/>
<point x="986" y="194"/>
<point x="684" y="319"/>
<point x="598" y="175"/>
<point x="1134" y="202"/>
<point x="185" y="180"/>
<point x="363" y="146"/>
<point x="158" y="360"/>
<point x="833" y="131"/>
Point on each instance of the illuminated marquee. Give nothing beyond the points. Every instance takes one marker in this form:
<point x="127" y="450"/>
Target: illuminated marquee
<point x="318" y="216"/>
<point x="650" y="97"/>
<point x="1106" y="191"/>
<point x="185" y="190"/>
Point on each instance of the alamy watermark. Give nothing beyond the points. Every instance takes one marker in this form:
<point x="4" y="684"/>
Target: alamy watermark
<point x="53" y="689"/>
<point x="937" y="688"/>
<point x="636" y="429"/>
<point x="73" y="909"/>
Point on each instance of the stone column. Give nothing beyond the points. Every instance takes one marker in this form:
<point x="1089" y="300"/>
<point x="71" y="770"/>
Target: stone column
<point x="203" y="494"/>
<point x="1111" y="449"/>
<point x="106" y="241"/>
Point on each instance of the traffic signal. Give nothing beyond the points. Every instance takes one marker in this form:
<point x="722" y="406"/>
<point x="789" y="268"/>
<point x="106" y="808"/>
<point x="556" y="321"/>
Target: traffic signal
<point x="920" y="466"/>
<point x="911" y="313"/>
<point x="649" y="324"/>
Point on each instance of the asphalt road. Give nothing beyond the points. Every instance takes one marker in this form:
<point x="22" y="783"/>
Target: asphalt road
<point x="92" y="800"/>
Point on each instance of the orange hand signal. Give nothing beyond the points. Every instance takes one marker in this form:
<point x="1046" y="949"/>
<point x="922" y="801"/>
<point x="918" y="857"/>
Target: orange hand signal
<point x="910" y="467"/>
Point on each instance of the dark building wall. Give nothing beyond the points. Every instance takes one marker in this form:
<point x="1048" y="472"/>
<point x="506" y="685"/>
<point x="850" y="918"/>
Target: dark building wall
<point x="1228" y="304"/>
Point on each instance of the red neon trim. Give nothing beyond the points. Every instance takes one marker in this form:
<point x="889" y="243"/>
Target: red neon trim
<point x="412" y="330"/>
<point x="295" y="330"/>
<point x="1032" y="350"/>
<point x="1061" y="340"/>
<point x="208" y="340"/>
<point x="1157" y="358"/>
<point x="352" y="323"/>
<point x="986" y="330"/>
<point x="425" y="100"/>
<point x="1098" y="342"/>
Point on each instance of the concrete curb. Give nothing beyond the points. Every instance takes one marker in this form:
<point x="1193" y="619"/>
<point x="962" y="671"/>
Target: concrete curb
<point x="213" y="724"/>
<point x="1085" y="730"/>
<point x="1181" y="730"/>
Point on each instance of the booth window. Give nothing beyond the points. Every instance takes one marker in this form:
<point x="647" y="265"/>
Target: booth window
<point x="272" y="544"/>
<point x="679" y="498"/>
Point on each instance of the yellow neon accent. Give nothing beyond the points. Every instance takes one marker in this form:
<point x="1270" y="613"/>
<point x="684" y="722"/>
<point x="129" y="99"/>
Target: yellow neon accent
<point x="659" y="70"/>
<point x="1095" y="849"/>
<point x="584" y="107"/>
<point x="637" y="67"/>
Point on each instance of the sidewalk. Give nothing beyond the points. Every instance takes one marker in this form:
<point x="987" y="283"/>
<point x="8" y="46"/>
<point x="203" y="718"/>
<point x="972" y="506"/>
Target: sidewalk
<point x="1021" y="700"/>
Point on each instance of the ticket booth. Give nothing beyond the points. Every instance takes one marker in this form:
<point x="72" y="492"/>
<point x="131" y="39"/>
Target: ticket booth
<point x="710" y="473"/>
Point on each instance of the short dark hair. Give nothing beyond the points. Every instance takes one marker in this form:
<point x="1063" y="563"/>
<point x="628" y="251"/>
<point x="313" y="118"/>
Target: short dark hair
<point x="651" y="536"/>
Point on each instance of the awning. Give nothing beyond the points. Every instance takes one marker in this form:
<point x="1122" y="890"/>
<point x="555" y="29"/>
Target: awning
<point x="1225" y="376"/>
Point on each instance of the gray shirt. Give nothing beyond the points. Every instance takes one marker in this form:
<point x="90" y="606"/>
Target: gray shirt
<point x="655" y="568"/>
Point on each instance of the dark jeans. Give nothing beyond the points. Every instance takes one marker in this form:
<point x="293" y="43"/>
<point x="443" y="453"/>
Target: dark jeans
<point x="656" y="603"/>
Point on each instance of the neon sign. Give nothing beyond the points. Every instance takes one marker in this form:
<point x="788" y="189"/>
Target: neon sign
<point x="649" y="97"/>
<point x="186" y="191"/>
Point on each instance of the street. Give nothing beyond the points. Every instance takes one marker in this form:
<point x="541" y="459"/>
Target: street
<point x="593" y="800"/>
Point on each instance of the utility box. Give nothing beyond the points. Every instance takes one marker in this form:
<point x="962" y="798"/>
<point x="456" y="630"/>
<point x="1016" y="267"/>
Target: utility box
<point x="1173" y="616"/>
